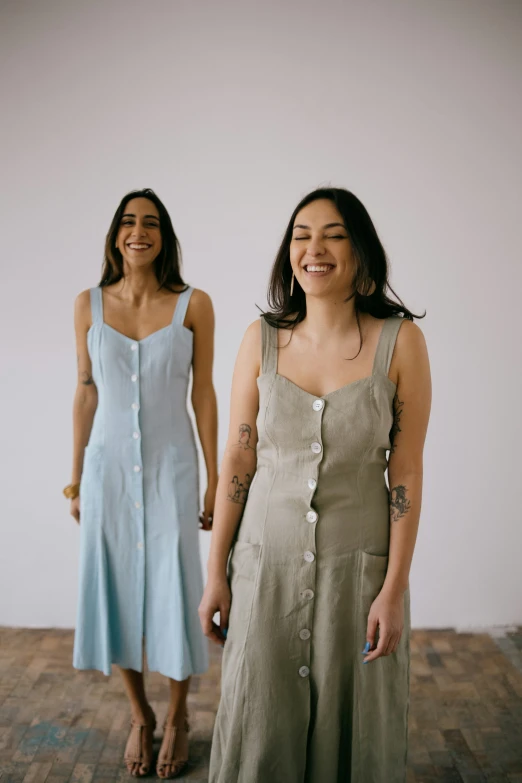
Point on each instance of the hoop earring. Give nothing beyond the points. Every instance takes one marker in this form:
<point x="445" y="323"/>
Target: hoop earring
<point x="292" y="285"/>
<point x="369" y="289"/>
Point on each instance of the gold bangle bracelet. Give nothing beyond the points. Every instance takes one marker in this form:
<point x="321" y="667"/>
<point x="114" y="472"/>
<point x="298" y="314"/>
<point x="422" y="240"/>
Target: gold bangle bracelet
<point x="71" y="491"/>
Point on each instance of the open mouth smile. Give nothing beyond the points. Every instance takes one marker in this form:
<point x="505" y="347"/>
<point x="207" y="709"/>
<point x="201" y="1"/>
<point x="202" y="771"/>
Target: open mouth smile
<point x="318" y="270"/>
<point x="139" y="246"/>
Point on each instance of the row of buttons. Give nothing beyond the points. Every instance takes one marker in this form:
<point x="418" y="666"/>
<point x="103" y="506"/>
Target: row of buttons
<point x="136" y="435"/>
<point x="312" y="517"/>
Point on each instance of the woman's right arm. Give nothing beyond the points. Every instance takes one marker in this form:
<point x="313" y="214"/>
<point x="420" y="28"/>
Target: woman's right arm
<point x="86" y="396"/>
<point x="237" y="468"/>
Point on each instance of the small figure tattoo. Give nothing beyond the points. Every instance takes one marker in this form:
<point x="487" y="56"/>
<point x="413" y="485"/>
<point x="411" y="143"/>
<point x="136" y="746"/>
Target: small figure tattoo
<point x="238" y="491"/>
<point x="397" y="413"/>
<point x="245" y="431"/>
<point x="399" y="503"/>
<point x="86" y="378"/>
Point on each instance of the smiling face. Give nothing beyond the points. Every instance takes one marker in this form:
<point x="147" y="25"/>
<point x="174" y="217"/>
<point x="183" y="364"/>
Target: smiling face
<point x="139" y="235"/>
<point x="320" y="251"/>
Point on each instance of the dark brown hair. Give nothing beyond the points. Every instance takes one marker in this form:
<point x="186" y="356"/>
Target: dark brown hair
<point x="371" y="273"/>
<point x="167" y="264"/>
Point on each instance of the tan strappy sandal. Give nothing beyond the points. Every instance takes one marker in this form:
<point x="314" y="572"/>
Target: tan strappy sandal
<point x="141" y="735"/>
<point x="166" y="756"/>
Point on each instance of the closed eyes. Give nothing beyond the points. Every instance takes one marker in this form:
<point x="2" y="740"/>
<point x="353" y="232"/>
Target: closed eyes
<point x="336" y="236"/>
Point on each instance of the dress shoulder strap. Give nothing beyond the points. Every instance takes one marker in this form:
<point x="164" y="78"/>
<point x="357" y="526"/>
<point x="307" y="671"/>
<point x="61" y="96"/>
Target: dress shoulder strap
<point x="268" y="348"/>
<point x="181" y="306"/>
<point x="386" y="344"/>
<point x="96" y="305"/>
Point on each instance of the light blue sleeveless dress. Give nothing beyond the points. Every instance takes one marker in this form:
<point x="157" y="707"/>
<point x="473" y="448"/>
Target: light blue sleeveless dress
<point x="140" y="569"/>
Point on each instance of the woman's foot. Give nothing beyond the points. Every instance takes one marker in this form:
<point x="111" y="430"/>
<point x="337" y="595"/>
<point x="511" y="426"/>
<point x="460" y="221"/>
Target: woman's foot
<point x="138" y="751"/>
<point x="173" y="755"/>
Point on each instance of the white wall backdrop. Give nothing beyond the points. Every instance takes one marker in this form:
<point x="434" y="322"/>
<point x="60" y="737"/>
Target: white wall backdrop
<point x="232" y="111"/>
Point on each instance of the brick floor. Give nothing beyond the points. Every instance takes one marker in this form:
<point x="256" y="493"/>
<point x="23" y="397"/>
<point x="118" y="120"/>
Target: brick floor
<point x="62" y="726"/>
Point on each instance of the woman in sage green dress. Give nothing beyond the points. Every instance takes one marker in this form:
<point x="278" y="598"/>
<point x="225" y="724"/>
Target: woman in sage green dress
<point x="332" y="387"/>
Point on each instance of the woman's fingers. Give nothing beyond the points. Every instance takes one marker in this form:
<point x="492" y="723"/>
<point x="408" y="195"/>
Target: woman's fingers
<point x="75" y="509"/>
<point x="206" y="611"/>
<point x="390" y="647"/>
<point x="217" y="635"/>
<point x="224" y="612"/>
<point x="388" y="643"/>
<point x="210" y="629"/>
<point x="381" y="646"/>
<point x="206" y="521"/>
<point x="371" y="631"/>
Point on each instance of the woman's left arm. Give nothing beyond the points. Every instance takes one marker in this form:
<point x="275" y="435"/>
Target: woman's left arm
<point x="200" y="319"/>
<point x="411" y="410"/>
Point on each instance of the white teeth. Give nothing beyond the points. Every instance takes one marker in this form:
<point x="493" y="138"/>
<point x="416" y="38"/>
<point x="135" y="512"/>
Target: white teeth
<point x="138" y="247"/>
<point x="311" y="268"/>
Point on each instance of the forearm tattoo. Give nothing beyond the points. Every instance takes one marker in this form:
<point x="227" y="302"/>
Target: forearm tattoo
<point x="86" y="378"/>
<point x="238" y="490"/>
<point x="397" y="413"/>
<point x="399" y="503"/>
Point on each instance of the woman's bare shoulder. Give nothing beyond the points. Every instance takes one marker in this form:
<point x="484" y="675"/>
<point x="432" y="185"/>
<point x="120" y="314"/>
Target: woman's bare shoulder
<point x="82" y="310"/>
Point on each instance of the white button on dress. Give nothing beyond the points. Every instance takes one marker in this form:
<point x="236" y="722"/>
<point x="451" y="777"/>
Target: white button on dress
<point x="312" y="483"/>
<point x="134" y="347"/>
<point x="135" y="406"/>
<point x="304" y="671"/>
<point x="308" y="594"/>
<point x="312" y="516"/>
<point x="137" y="504"/>
<point x="140" y="545"/>
<point x="309" y="557"/>
<point x="134" y="378"/>
<point x="304" y="634"/>
<point x="316" y="447"/>
<point x="318" y="405"/>
<point x="135" y="435"/>
<point x="137" y="468"/>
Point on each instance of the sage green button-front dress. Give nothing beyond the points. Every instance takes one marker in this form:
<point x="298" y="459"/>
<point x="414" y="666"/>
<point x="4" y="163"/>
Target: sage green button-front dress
<point x="298" y="705"/>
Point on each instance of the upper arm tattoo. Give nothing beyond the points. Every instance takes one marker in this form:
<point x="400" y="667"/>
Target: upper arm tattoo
<point x="398" y="407"/>
<point x="399" y="503"/>
<point x="245" y="432"/>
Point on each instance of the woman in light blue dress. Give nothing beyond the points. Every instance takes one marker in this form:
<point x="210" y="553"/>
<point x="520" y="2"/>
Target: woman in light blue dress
<point x="139" y="335"/>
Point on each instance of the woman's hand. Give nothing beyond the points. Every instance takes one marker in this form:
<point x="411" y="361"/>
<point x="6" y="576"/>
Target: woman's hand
<point x="386" y="614"/>
<point x="216" y="598"/>
<point x="207" y="515"/>
<point x="75" y="508"/>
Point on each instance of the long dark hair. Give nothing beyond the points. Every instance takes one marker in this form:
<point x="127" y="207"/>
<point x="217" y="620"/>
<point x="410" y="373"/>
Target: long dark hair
<point x="371" y="282"/>
<point x="167" y="264"/>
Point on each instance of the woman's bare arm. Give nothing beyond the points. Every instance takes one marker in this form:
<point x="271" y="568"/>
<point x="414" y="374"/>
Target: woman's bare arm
<point x="240" y="458"/>
<point x="239" y="461"/>
<point x="411" y="405"/>
<point x="86" y="396"/>
<point x="201" y="319"/>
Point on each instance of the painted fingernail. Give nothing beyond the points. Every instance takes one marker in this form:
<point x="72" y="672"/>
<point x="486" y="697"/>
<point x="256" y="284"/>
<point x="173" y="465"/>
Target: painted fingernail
<point x="366" y="649"/>
<point x="366" y="661"/>
<point x="224" y="632"/>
